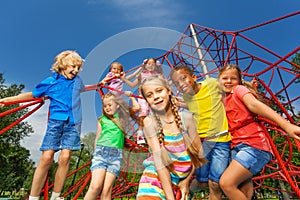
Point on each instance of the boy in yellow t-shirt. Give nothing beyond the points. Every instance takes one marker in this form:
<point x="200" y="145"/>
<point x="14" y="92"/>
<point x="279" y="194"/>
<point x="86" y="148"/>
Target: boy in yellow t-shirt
<point x="205" y="101"/>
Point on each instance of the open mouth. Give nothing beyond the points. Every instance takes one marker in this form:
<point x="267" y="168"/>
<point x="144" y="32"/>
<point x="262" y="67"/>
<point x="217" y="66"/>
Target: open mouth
<point x="158" y="102"/>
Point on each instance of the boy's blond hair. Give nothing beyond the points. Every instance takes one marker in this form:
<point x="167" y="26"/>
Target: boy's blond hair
<point x="66" y="58"/>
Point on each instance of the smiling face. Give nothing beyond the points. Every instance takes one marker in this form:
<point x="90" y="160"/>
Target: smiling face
<point x="184" y="82"/>
<point x="116" y="68"/>
<point x="150" y="65"/>
<point x="71" y="71"/>
<point x="156" y="94"/>
<point x="228" y="79"/>
<point x="109" y="106"/>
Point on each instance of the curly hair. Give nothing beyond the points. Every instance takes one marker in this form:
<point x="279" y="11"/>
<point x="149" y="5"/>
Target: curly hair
<point x="66" y="58"/>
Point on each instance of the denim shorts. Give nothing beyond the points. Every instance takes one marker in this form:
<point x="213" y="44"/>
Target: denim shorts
<point x="61" y="135"/>
<point x="107" y="158"/>
<point x="251" y="158"/>
<point x="218" y="156"/>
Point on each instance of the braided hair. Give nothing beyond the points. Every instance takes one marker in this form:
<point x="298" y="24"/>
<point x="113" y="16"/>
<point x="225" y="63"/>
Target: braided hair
<point x="193" y="150"/>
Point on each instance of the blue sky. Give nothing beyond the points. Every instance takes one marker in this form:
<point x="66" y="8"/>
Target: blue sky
<point x="34" y="31"/>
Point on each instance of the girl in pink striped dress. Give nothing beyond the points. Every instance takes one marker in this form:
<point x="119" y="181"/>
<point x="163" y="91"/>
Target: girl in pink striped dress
<point x="174" y="144"/>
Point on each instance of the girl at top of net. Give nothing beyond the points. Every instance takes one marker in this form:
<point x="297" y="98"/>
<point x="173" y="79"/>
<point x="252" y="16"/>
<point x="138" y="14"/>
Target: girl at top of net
<point x="150" y="67"/>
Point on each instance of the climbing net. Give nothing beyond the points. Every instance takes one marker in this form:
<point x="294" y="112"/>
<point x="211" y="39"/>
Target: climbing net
<point x="206" y="50"/>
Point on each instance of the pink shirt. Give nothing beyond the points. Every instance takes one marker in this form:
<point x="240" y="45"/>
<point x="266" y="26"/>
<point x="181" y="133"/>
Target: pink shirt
<point x="115" y="83"/>
<point x="146" y="73"/>
<point x="243" y="127"/>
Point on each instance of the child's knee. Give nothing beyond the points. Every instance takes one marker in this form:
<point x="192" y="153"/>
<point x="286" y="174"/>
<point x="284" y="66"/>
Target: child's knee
<point x="64" y="158"/>
<point x="46" y="159"/>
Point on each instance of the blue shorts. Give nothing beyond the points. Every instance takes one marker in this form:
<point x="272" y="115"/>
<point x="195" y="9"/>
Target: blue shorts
<point x="61" y="135"/>
<point x="218" y="156"/>
<point x="251" y="158"/>
<point x="107" y="158"/>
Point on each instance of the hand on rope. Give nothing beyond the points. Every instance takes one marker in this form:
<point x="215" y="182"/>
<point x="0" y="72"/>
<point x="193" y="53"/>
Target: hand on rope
<point x="31" y="102"/>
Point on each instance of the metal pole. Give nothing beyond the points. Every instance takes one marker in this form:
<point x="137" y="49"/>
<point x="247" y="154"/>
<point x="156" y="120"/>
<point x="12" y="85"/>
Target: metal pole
<point x="77" y="165"/>
<point x="204" y="67"/>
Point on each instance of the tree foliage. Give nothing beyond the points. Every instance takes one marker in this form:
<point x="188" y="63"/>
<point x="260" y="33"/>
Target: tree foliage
<point x="15" y="163"/>
<point x="296" y="60"/>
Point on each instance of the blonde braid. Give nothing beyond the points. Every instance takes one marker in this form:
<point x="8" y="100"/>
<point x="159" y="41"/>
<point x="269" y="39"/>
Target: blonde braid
<point x="194" y="151"/>
<point x="161" y="135"/>
<point x="175" y="113"/>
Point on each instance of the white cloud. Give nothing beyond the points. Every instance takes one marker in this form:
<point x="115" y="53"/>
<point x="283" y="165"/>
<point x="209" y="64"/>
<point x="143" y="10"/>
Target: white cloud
<point x="162" y="13"/>
<point x="38" y="120"/>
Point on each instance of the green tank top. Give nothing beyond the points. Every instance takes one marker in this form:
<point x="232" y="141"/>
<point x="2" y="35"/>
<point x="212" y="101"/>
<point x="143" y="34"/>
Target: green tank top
<point x="111" y="135"/>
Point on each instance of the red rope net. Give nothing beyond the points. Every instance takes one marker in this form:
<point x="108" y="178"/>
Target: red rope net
<point x="206" y="50"/>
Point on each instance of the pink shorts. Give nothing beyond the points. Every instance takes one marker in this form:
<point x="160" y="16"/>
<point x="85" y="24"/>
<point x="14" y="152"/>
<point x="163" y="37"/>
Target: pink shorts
<point x="144" y="108"/>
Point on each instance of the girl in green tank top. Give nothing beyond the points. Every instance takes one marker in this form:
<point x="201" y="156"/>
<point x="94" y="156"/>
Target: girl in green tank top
<point x="109" y="144"/>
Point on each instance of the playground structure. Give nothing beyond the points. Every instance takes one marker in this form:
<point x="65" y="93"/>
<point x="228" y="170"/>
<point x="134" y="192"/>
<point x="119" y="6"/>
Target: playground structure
<point x="206" y="50"/>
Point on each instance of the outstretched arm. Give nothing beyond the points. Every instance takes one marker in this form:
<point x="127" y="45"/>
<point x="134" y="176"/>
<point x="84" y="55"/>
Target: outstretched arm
<point x="262" y="109"/>
<point x="134" y="73"/>
<point x="23" y="96"/>
<point x="135" y="105"/>
<point x="131" y="84"/>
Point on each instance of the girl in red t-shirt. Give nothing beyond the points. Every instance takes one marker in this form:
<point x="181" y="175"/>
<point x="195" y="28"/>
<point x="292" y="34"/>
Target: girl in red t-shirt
<point x="250" y="149"/>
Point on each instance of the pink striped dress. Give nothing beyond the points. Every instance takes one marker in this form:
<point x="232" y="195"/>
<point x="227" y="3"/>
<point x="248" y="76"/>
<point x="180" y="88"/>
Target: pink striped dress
<point x="150" y="186"/>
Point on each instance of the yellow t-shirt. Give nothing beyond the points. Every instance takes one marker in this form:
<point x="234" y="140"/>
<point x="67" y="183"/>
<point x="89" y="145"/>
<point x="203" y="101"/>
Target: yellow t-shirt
<point x="209" y="112"/>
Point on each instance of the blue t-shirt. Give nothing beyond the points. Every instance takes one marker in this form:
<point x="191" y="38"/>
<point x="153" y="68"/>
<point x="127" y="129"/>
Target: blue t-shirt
<point x="64" y="95"/>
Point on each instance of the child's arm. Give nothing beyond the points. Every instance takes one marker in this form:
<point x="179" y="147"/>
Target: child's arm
<point x="262" y="109"/>
<point x="23" y="96"/>
<point x="135" y="105"/>
<point x="184" y="185"/>
<point x="131" y="84"/>
<point x="134" y="73"/>
<point x="180" y="103"/>
<point x="99" y="130"/>
<point x="163" y="172"/>
<point x="192" y="129"/>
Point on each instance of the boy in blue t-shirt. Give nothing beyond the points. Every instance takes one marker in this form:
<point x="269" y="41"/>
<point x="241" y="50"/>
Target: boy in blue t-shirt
<point x="63" y="89"/>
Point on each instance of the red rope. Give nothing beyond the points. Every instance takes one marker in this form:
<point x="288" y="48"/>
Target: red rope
<point x="34" y="101"/>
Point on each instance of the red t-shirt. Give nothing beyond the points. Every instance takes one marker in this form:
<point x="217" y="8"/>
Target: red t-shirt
<point x="243" y="127"/>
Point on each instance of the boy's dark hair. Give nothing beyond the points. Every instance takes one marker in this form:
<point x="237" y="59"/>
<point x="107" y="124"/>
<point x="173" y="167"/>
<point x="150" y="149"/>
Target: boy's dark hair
<point x="185" y="68"/>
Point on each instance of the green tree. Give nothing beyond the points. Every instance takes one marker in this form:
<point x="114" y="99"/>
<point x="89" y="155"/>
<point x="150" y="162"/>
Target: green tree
<point x="80" y="158"/>
<point x="296" y="60"/>
<point x="15" y="164"/>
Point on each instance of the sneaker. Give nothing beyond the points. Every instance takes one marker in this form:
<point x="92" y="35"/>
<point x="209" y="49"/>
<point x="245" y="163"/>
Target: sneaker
<point x="140" y="138"/>
<point x="59" y="198"/>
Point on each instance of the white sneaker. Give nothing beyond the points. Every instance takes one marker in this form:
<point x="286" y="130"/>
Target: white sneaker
<point x="59" y="198"/>
<point x="140" y="138"/>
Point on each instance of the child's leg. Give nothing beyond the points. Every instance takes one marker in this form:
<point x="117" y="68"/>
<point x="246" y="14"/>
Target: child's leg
<point x="247" y="188"/>
<point x="96" y="184"/>
<point x="233" y="176"/>
<point x="219" y="155"/>
<point x="215" y="192"/>
<point x="41" y="172"/>
<point x="62" y="169"/>
<point x="140" y="134"/>
<point x="107" y="187"/>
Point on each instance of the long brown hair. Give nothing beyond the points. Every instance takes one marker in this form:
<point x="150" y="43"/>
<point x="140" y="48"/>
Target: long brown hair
<point x="193" y="150"/>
